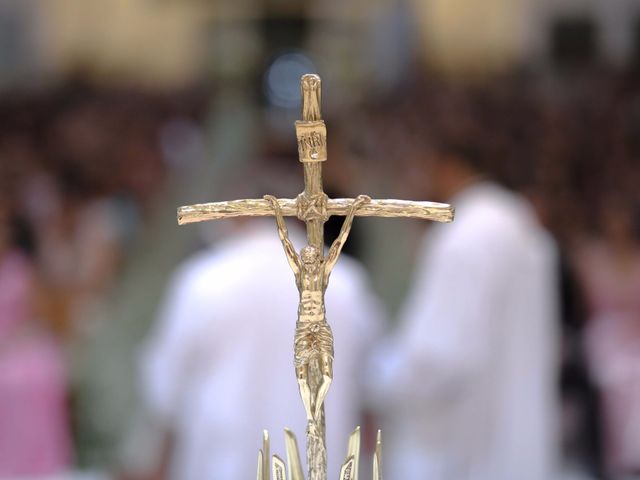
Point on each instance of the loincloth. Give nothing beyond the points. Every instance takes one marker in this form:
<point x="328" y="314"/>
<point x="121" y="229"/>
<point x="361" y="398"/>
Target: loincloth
<point x="312" y="339"/>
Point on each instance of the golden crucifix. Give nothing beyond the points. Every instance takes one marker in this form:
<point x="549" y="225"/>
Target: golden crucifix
<point x="313" y="345"/>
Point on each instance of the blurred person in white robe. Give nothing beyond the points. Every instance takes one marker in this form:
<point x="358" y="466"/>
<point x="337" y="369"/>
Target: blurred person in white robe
<point x="217" y="368"/>
<point x="467" y="383"/>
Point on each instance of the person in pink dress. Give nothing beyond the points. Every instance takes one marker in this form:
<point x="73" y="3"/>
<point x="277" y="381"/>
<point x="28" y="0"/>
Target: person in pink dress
<point x="35" y="436"/>
<point x="610" y="273"/>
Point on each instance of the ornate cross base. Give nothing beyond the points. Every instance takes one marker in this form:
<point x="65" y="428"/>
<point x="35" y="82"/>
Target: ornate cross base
<point x="293" y="469"/>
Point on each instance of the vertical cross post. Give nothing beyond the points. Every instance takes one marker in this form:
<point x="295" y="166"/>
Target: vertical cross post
<point x="311" y="134"/>
<point x="312" y="150"/>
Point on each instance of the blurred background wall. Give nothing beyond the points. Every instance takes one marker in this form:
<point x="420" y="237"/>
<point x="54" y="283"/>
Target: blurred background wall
<point x="113" y="39"/>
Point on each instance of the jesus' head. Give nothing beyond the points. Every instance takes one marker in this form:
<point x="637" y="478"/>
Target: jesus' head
<point x="309" y="256"/>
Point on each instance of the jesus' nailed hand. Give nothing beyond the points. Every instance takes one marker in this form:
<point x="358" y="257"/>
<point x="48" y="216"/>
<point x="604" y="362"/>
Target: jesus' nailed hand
<point x="313" y="337"/>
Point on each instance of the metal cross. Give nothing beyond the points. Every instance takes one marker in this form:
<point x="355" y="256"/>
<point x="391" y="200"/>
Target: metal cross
<point x="313" y="207"/>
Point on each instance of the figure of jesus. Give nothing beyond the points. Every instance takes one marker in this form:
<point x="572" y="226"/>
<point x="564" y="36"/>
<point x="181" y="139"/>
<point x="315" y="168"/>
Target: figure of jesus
<point x="313" y="337"/>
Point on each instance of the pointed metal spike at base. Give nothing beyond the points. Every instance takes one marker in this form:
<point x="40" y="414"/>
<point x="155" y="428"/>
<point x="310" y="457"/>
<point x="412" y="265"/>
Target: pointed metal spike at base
<point x="293" y="456"/>
<point x="293" y="469"/>
<point x="347" y="472"/>
<point x="377" y="458"/>
<point x="264" y="457"/>
<point x="260" y="466"/>
<point x="353" y="450"/>
<point x="278" y="469"/>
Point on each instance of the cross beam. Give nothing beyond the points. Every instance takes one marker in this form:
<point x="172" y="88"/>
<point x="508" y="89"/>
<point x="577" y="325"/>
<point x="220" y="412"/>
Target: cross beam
<point x="438" y="212"/>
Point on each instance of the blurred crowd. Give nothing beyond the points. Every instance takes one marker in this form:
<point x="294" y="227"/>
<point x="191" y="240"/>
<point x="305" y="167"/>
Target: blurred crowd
<point x="568" y="143"/>
<point x="566" y="139"/>
<point x="81" y="168"/>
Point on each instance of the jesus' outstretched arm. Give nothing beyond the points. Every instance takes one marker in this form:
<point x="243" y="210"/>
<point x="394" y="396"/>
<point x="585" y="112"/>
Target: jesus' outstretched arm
<point x="338" y="243"/>
<point x="283" y="233"/>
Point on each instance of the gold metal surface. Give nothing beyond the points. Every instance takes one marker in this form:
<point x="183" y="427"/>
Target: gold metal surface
<point x="347" y="472"/>
<point x="353" y="450"/>
<point x="293" y="456"/>
<point x="278" y="470"/>
<point x="265" y="454"/>
<point x="293" y="470"/>
<point x="261" y="474"/>
<point x="313" y="340"/>
<point x="438" y="212"/>
<point x="377" y="458"/>
<point x="312" y="141"/>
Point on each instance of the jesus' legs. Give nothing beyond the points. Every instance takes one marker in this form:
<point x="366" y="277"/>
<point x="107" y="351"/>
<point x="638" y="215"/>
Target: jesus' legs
<point x="326" y="368"/>
<point x="313" y="400"/>
<point x="302" y="374"/>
